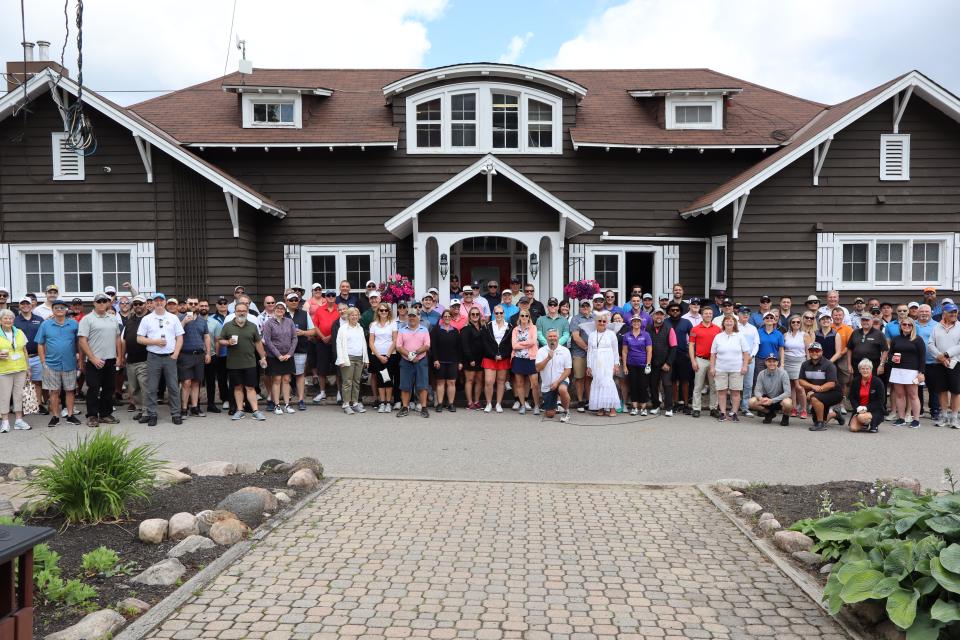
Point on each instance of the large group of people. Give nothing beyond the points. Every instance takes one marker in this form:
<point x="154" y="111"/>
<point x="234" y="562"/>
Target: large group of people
<point x="857" y="366"/>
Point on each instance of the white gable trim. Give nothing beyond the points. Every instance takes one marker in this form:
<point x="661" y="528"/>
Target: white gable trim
<point x="401" y="225"/>
<point x="921" y="85"/>
<point x="45" y="80"/>
<point x="485" y="69"/>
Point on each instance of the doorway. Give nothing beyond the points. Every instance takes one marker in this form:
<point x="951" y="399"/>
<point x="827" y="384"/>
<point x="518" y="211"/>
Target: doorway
<point x="484" y="258"/>
<point x="639" y="270"/>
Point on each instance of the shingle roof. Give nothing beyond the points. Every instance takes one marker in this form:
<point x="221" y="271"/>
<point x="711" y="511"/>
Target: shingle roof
<point x="357" y="112"/>
<point x="823" y="121"/>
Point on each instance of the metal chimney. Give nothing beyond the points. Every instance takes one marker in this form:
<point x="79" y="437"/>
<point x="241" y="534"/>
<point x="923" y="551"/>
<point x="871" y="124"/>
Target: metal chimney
<point x="28" y="51"/>
<point x="43" y="52"/>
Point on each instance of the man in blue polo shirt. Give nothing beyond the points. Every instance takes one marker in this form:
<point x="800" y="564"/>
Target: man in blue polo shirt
<point x="57" y="348"/>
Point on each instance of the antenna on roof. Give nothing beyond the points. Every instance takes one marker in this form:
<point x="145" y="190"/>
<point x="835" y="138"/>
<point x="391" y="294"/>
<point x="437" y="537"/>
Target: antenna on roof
<point x="246" y="67"/>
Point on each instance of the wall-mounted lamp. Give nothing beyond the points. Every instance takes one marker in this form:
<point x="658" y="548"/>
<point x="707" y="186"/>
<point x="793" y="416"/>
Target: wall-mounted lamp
<point x="444" y="264"/>
<point x="534" y="265"/>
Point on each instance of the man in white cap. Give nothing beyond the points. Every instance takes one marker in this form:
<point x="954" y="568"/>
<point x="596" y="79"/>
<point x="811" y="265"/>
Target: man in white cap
<point x="45" y="310"/>
<point x="470" y="300"/>
<point x="4" y="298"/>
<point x="363" y="303"/>
<point x="240" y="291"/>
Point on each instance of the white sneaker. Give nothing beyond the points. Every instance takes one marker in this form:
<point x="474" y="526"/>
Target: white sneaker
<point x="499" y="408"/>
<point x="955" y="423"/>
<point x="320" y="397"/>
<point x="634" y="411"/>
<point x="945" y="419"/>
<point x="523" y="411"/>
<point x="347" y="409"/>
<point x="536" y="411"/>
<point x="339" y="398"/>
<point x="843" y="410"/>
<point x="668" y="413"/>
<point x="654" y="412"/>
<point x="643" y="411"/>
<point x="561" y="409"/>
<point x="358" y="408"/>
<point x="290" y="409"/>
<point x="63" y="412"/>
<point x="239" y="415"/>
<point x="526" y="405"/>
<point x="396" y="406"/>
<point x="380" y="408"/>
<point x="516" y="405"/>
<point x="565" y="417"/>
<point x="417" y="406"/>
<point x="507" y="385"/>
<point x="746" y="413"/>
<point x="278" y="410"/>
<point x="488" y="408"/>
<point x="226" y="405"/>
<point x="5" y="427"/>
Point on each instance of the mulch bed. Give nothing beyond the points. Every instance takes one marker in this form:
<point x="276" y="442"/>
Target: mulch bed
<point x="790" y="503"/>
<point x="72" y="542"/>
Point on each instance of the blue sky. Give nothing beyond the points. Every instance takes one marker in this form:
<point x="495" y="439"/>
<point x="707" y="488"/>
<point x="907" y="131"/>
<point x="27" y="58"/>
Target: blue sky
<point x="826" y="50"/>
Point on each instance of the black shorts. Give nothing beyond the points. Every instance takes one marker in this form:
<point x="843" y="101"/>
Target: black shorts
<point x="829" y="398"/>
<point x="682" y="369"/>
<point x="249" y="377"/>
<point x="447" y="371"/>
<point x="940" y="379"/>
<point x="190" y="366"/>
<point x="325" y="359"/>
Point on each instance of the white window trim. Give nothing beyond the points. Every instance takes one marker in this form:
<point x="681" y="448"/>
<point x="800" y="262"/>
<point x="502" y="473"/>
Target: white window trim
<point x="715" y="242"/>
<point x="250" y="100"/>
<point x="946" y="269"/>
<point x="484" y="91"/>
<point x="18" y="266"/>
<point x="905" y="139"/>
<point x="698" y="101"/>
<point x="56" y="138"/>
<point x="340" y="252"/>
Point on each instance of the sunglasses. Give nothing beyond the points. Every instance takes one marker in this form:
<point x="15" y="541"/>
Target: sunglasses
<point x="330" y="295"/>
<point x="528" y="290"/>
<point x="138" y="304"/>
<point x="794" y="322"/>
<point x="498" y="313"/>
<point x="524" y="315"/>
<point x="100" y="301"/>
<point x="383" y="310"/>
<point x="808" y="317"/>
<point x="903" y="324"/>
<point x="475" y="315"/>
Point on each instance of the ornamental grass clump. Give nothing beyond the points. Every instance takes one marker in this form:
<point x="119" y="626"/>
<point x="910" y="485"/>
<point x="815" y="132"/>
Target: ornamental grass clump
<point x="97" y="479"/>
<point x="903" y="552"/>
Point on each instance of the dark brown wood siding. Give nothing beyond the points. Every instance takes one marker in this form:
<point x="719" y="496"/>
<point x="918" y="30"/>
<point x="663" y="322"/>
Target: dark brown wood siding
<point x="511" y="209"/>
<point x="776" y="252"/>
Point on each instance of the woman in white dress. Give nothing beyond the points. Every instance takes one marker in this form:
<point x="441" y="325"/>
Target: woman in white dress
<point x="603" y="362"/>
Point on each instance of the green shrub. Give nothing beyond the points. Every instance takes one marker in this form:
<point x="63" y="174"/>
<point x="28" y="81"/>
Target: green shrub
<point x="55" y="590"/>
<point x="904" y="552"/>
<point x="100" y="560"/>
<point x="97" y="479"/>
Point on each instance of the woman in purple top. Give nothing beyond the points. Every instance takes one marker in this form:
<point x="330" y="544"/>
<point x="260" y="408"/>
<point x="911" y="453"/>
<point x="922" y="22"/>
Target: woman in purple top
<point x="280" y="342"/>
<point x="637" y="354"/>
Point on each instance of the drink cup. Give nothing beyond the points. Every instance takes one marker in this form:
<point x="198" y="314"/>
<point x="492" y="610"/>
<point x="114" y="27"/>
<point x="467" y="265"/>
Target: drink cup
<point x="234" y="339"/>
<point x="4" y="353"/>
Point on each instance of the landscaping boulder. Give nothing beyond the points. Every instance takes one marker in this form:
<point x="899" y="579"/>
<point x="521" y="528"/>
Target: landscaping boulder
<point x="228" y="532"/>
<point x="734" y="483"/>
<point x="304" y="479"/>
<point x="153" y="531"/>
<point x="132" y="607"/>
<point x="164" y="573"/>
<point x="206" y="519"/>
<point x="792" y="541"/>
<point x="307" y="463"/>
<point x="282" y="497"/>
<point x="94" y="626"/>
<point x="172" y="476"/>
<point x="826" y="569"/>
<point x="283" y="467"/>
<point x="766" y="515"/>
<point x="215" y="468"/>
<point x="248" y="507"/>
<point x="769" y="526"/>
<point x="190" y="544"/>
<point x="17" y="473"/>
<point x="269" y="500"/>
<point x="910" y="484"/>
<point x="182" y="525"/>
<point x="245" y="468"/>
<point x="269" y="465"/>
<point x="6" y="508"/>
<point x="750" y="508"/>
<point x="807" y="557"/>
<point x="734" y="494"/>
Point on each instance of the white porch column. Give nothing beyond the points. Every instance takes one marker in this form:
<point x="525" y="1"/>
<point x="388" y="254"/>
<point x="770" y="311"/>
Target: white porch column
<point x="559" y="271"/>
<point x="419" y="262"/>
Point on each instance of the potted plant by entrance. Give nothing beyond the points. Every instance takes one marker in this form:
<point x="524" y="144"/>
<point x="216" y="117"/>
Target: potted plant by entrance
<point x="581" y="289"/>
<point x="397" y="288"/>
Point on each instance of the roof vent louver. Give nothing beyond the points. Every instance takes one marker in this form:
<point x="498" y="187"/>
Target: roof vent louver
<point x="67" y="162"/>
<point x="895" y="156"/>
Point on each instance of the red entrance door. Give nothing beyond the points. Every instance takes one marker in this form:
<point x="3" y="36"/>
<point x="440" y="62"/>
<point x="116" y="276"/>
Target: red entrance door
<point x="483" y="269"/>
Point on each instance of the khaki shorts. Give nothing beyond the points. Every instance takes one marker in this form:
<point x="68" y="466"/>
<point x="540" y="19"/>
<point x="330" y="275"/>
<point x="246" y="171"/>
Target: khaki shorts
<point x="732" y="380"/>
<point x="579" y="368"/>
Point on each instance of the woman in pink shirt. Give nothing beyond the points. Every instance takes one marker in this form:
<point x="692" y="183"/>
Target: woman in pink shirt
<point x="524" y="362"/>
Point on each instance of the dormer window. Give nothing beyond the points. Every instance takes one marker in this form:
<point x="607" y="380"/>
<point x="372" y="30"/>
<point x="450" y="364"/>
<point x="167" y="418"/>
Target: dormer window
<point x="272" y="111"/>
<point x="700" y="112"/>
<point x="484" y="118"/>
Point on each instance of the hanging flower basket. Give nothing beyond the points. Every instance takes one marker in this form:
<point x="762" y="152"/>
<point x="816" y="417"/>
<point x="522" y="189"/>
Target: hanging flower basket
<point x="397" y="288"/>
<point x="581" y="289"/>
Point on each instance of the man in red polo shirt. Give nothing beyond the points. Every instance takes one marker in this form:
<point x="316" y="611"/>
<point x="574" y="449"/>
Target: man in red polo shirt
<point x="701" y="339"/>
<point x="323" y="318"/>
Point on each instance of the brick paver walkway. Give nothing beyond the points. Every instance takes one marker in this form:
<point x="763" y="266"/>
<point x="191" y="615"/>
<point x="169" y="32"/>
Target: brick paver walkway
<point x="397" y="559"/>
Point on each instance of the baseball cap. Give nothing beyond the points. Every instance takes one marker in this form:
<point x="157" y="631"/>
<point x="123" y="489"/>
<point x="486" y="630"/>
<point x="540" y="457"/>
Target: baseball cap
<point x="76" y="301"/>
<point x="514" y="280"/>
<point x="769" y="314"/>
<point x="60" y="302"/>
<point x="584" y="303"/>
<point x="370" y="282"/>
<point x="597" y="296"/>
<point x="110" y="289"/>
<point x="523" y="300"/>
<point x="52" y="287"/>
<point x="372" y="294"/>
<point x="725" y="302"/>
<point x="663" y="296"/>
<point x="293" y="296"/>
<point x="433" y="290"/>
<point x="239" y="287"/>
<point x="139" y="298"/>
<point x="173" y="300"/>
<point x="316" y="285"/>
<point x="467" y="289"/>
<point x="764" y="298"/>
<point x="637" y="318"/>
<point x="814" y="346"/>
<point x="743" y="309"/>
<point x="930" y="290"/>
<point x="455" y="301"/>
<point x="722" y="293"/>
<point x="222" y="300"/>
<point x="813" y="298"/>
<point x="26" y="299"/>
<point x="694" y="301"/>
<point x="874" y="310"/>
<point x="493" y="283"/>
<point x="647" y="296"/>
<point x="655" y="312"/>
<point x="5" y="290"/>
<point x="858" y="299"/>
<point x="949" y="307"/>
<point x="913" y="305"/>
<point x="552" y="301"/>
<point x="100" y="297"/>
<point x="159" y="295"/>
<point x="771" y="356"/>
<point x="329" y="292"/>
<point x="280" y="303"/>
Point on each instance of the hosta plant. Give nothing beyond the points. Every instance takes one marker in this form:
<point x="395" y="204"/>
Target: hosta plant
<point x="904" y="552"/>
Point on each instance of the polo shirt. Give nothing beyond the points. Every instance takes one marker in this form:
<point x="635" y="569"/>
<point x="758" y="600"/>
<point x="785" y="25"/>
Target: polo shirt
<point x="681" y="329"/>
<point x="636" y="346"/>
<point x="60" y="343"/>
<point x="868" y="345"/>
<point x="770" y="342"/>
<point x="135" y="352"/>
<point x="352" y="300"/>
<point x="819" y="373"/>
<point x="756" y="318"/>
<point x="646" y="319"/>
<point x="892" y="329"/>
<point x="324" y="317"/>
<point x="242" y="355"/>
<point x="30" y="328"/>
<point x="701" y="337"/>
<point x="193" y="333"/>
<point x="166" y="326"/>
<point x="925" y="331"/>
<point x="101" y="333"/>
<point x="432" y="317"/>
<point x="561" y="361"/>
<point x="576" y="350"/>
<point x="509" y="310"/>
<point x="413" y="339"/>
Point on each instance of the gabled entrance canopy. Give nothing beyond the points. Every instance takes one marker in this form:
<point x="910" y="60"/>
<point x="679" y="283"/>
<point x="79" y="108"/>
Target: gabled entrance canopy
<point x="571" y="221"/>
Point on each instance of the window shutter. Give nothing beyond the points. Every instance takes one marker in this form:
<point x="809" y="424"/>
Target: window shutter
<point x="895" y="156"/>
<point x="671" y="267"/>
<point x="67" y="163"/>
<point x="576" y="265"/>
<point x="292" y="265"/>
<point x="956" y="262"/>
<point x="388" y="261"/>
<point x="146" y="268"/>
<point x="826" y="260"/>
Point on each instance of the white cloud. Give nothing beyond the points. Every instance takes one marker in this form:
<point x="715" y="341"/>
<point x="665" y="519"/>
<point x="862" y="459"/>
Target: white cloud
<point x="820" y="49"/>
<point x="143" y="45"/>
<point x="515" y="48"/>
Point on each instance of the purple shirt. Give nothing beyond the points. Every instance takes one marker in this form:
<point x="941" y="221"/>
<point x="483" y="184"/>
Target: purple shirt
<point x="637" y="347"/>
<point x="628" y="314"/>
